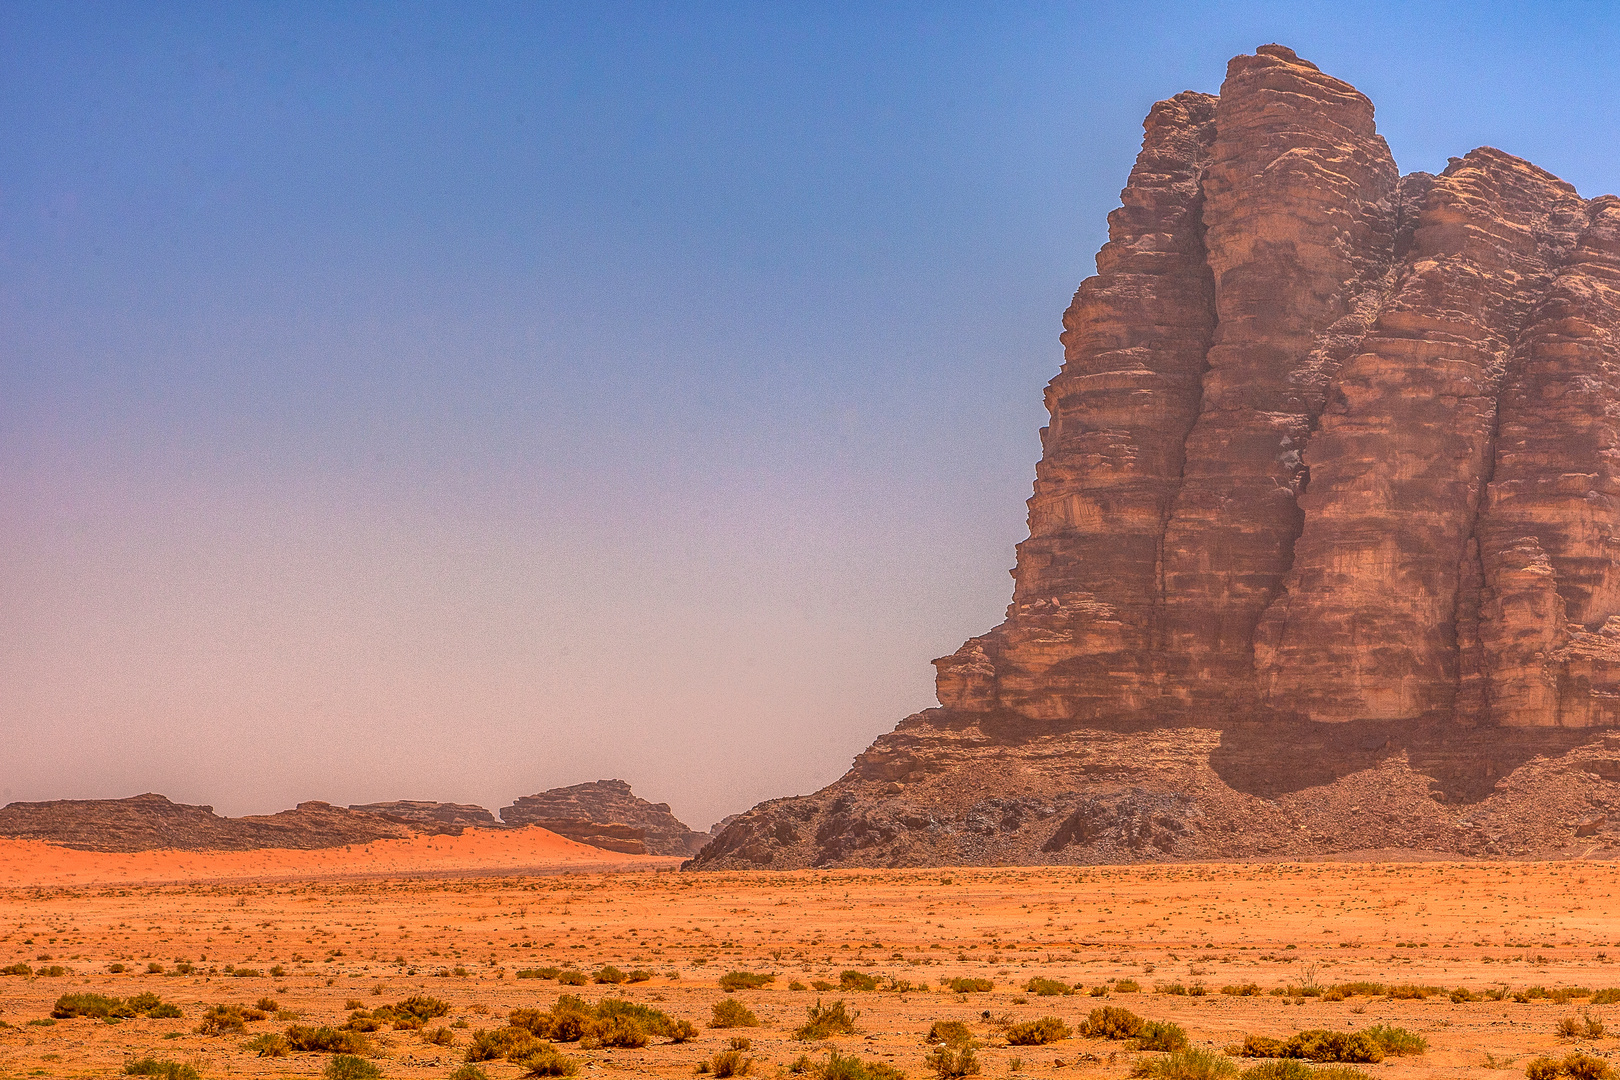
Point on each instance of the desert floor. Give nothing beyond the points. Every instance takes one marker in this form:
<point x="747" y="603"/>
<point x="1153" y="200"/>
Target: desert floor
<point x="464" y="939"/>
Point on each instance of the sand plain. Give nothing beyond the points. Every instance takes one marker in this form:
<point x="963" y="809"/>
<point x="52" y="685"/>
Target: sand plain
<point x="464" y="939"/>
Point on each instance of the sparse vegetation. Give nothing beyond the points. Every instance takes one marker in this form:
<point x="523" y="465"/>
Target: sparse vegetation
<point x="268" y="1044"/>
<point x="1047" y="987"/>
<point x="1575" y="1066"/>
<point x="1128" y="986"/>
<point x="1186" y="1065"/>
<point x="350" y="1067"/>
<point x="952" y="1062"/>
<point x="950" y="1032"/>
<point x="1111" y="1022"/>
<point x="327" y="1040"/>
<point x="163" y="1069"/>
<point x="855" y="980"/>
<point x="971" y="986"/>
<point x="748" y="980"/>
<point x="547" y="1061"/>
<point x="1161" y="1035"/>
<point x="731" y="1013"/>
<point x="1320" y="1045"/>
<point x="1048" y="1029"/>
<point x="1574" y="1027"/>
<point x="823" y="1023"/>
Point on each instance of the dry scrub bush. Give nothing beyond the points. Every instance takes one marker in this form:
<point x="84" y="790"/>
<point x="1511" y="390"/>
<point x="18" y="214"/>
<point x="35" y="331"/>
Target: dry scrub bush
<point x="824" y="1023"/>
<point x="971" y="986"/>
<point x="1242" y="990"/>
<point x="327" y="1040"/>
<point x="855" y="980"/>
<point x="1576" y="1066"/>
<point x="950" y="1032"/>
<point x="954" y="1062"/>
<point x="1047" y="987"/>
<point x="546" y="1061"/>
<point x="1128" y="986"/>
<point x="1575" y="1027"/>
<point x="269" y="1044"/>
<point x="1048" y="1029"/>
<point x="1111" y="1022"/>
<point x="1161" y="1035"/>
<point x="165" y="1070"/>
<point x="849" y="1067"/>
<point x="746" y="980"/>
<point x="350" y="1067"/>
<point x="1186" y="1065"/>
<point x="731" y="1013"/>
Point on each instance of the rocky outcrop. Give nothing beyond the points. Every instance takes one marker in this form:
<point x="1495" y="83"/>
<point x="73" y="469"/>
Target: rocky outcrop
<point x="1324" y="546"/>
<point x="148" y="822"/>
<point x="432" y="816"/>
<point x="607" y="814"/>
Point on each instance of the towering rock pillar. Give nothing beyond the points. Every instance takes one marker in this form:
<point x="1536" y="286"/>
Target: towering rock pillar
<point x="1077" y="640"/>
<point x="1368" y="627"/>
<point x="1300" y="204"/>
<point x="1550" y="533"/>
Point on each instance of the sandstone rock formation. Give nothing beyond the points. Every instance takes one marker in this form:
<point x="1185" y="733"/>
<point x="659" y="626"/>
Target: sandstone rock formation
<point x="1332" y="461"/>
<point x="607" y="814"/>
<point x="432" y="816"/>
<point x="147" y="822"/>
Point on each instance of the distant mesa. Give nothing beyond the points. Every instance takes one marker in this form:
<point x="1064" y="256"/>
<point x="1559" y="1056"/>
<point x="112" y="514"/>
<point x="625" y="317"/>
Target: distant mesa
<point x="605" y="814"/>
<point x="1324" y="543"/>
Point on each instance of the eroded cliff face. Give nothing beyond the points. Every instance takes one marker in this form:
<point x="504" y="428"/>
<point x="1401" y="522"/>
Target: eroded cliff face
<point x="1328" y="444"/>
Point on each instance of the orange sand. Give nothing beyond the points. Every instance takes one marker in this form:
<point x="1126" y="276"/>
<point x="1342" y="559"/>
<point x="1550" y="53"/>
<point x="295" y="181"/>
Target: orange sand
<point x="477" y="851"/>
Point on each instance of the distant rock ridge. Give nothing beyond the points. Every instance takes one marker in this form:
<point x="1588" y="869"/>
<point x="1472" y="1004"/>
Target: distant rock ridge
<point x="607" y="814"/>
<point x="604" y="814"/>
<point x="1333" y="459"/>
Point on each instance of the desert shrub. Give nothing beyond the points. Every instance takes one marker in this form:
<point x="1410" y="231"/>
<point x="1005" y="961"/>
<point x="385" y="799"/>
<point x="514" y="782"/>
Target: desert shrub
<point x="354" y="1003"/>
<point x="97" y="1006"/>
<point x="609" y="974"/>
<point x="1462" y="994"/>
<point x="1410" y="992"/>
<point x="546" y="1061"/>
<point x="1111" y="1022"/>
<point x="1365" y="989"/>
<point x="1577" y="1066"/>
<point x="1048" y="1029"/>
<point x="1606" y="997"/>
<point x="18" y="968"/>
<point x="326" y="1040"/>
<point x="1340" y="1072"/>
<point x="419" y="1008"/>
<point x="1046" y="987"/>
<point x="52" y="972"/>
<point x="361" y="1020"/>
<point x="268" y="1045"/>
<point x="167" y="1070"/>
<point x="1260" y="1046"/>
<point x="971" y="986"/>
<point x="951" y="1033"/>
<point x="247" y="973"/>
<point x="730" y="1063"/>
<point x="1396" y="1040"/>
<point x="265" y="1004"/>
<point x="748" y="980"/>
<point x="797" y="985"/>
<point x="1128" y="986"/>
<point x="1186" y="1065"/>
<point x="730" y="1013"/>
<point x="821" y="986"/>
<point x="468" y="1072"/>
<point x="117" y="969"/>
<point x="538" y="973"/>
<point x="349" y="1067"/>
<point x="682" y="1031"/>
<point x="1284" y="1069"/>
<point x="1175" y="989"/>
<point x="492" y="1044"/>
<point x="855" y="980"/>
<point x="952" y="1062"/>
<point x="638" y="975"/>
<point x="847" y="1067"/>
<point x="1242" y="990"/>
<point x="625" y="1031"/>
<point x="1563" y="995"/>
<point x="1318" y="1044"/>
<point x="823" y="1023"/>
<point x="439" y="1036"/>
<point x="572" y="978"/>
<point x="1161" y="1035"/>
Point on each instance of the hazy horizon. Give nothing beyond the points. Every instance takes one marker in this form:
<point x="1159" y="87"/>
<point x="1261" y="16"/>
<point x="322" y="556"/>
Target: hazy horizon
<point x="430" y="404"/>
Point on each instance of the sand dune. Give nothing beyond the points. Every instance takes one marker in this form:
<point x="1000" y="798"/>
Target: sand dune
<point x="477" y="851"/>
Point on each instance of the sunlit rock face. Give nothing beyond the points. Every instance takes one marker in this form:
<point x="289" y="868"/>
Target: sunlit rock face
<point x="1328" y="443"/>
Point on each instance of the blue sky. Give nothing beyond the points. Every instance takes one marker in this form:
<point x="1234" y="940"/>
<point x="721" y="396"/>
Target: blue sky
<point x="411" y="401"/>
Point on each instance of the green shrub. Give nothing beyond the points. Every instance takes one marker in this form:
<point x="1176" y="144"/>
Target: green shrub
<point x="609" y="974"/>
<point x="1186" y="1065"/>
<point x="951" y="1033"/>
<point x="1396" y="1040"/>
<point x="349" y="1067"/>
<point x="730" y="1013"/>
<point x="1111" y="1022"/>
<point x="1048" y="1029"/>
<point x="748" y="980"/>
<point x="1046" y="987"/>
<point x="167" y="1070"/>
<point x="546" y="1061"/>
<point x="971" y="986"/>
<point x="1576" y="1066"/>
<point x="1161" y="1035"/>
<point x="855" y="980"/>
<point x="326" y="1040"/>
<point x="952" y="1062"/>
<point x="96" y="1006"/>
<point x="826" y="1022"/>
<point x="268" y="1045"/>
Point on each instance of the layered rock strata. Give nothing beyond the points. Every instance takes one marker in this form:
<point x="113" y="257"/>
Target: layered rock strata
<point x="1328" y="444"/>
<point x="148" y="822"/>
<point x="1324" y="546"/>
<point x="607" y="814"/>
